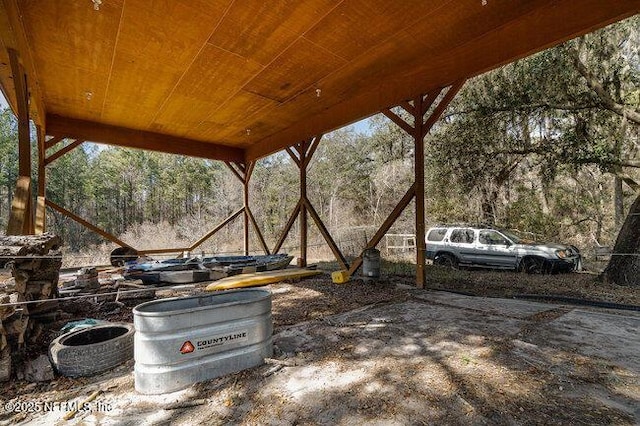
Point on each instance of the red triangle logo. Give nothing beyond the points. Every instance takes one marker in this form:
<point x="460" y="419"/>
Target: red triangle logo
<point x="187" y="348"/>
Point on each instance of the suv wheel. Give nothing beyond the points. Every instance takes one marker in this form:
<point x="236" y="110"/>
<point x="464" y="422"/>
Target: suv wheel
<point x="533" y="265"/>
<point x="446" y="259"/>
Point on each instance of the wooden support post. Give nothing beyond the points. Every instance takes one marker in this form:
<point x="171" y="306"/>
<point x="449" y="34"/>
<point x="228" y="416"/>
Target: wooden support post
<point x="22" y="202"/>
<point x="418" y="135"/>
<point x="246" y="216"/>
<point x="302" y="261"/>
<point x="41" y="209"/>
<point x="22" y="96"/>
<point x="243" y="172"/>
<point x="301" y="156"/>
<point x="418" y="109"/>
<point x="18" y="219"/>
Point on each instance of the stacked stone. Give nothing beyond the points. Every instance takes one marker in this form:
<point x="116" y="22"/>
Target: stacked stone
<point x="34" y="261"/>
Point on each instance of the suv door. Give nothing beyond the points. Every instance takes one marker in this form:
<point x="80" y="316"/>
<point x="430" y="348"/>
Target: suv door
<point x="494" y="249"/>
<point x="462" y="243"/>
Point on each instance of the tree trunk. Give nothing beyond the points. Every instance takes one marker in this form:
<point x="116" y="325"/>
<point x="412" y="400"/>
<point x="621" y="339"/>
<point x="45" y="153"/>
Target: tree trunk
<point x="618" y="201"/>
<point x="624" y="266"/>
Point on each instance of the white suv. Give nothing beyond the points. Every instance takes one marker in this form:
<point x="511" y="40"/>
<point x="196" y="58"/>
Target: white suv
<point x="464" y="245"/>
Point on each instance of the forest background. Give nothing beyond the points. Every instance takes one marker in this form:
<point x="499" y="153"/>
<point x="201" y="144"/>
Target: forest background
<point x="548" y="145"/>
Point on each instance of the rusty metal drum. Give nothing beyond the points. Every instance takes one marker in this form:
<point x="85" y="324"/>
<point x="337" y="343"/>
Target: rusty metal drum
<point x="184" y="340"/>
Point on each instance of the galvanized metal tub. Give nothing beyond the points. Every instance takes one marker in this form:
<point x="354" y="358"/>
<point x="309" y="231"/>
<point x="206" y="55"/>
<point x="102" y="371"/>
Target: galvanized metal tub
<point x="184" y="340"/>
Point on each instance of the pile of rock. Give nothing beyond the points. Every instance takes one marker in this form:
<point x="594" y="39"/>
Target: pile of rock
<point x="34" y="262"/>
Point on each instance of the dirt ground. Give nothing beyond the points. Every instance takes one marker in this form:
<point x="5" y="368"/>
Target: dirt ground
<point x="384" y="352"/>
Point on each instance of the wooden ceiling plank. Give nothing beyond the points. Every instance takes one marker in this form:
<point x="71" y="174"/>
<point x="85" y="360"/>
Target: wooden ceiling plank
<point x="515" y="39"/>
<point x="119" y="136"/>
<point x="156" y="44"/>
<point x="266" y="29"/>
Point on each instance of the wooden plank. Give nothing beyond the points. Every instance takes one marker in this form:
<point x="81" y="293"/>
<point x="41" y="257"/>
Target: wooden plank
<point x="120" y="136"/>
<point x="156" y="45"/>
<point x="386" y="225"/>
<point x="19" y="217"/>
<point x="53" y="157"/>
<point x="287" y="227"/>
<point x="216" y="229"/>
<point x="327" y="236"/>
<point x="86" y="224"/>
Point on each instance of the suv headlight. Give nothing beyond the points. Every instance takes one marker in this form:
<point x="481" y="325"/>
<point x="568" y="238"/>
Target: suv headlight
<point x="561" y="254"/>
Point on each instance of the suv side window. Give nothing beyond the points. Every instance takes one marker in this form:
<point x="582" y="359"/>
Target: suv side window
<point x="491" y="238"/>
<point x="437" y="234"/>
<point x="466" y="236"/>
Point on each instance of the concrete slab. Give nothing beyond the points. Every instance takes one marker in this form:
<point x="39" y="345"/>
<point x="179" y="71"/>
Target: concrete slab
<point x="613" y="337"/>
<point x="503" y="307"/>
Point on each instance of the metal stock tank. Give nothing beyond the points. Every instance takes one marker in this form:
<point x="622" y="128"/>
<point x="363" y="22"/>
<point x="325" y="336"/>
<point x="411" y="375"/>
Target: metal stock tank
<point x="184" y="340"/>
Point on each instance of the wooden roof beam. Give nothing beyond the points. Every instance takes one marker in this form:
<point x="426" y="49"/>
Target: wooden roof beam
<point x="140" y="139"/>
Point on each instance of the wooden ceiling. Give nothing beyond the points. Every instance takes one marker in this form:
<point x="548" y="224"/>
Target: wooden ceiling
<point x="239" y="79"/>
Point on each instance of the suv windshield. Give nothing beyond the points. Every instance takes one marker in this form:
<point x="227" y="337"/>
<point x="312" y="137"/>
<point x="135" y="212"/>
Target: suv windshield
<point x="513" y="237"/>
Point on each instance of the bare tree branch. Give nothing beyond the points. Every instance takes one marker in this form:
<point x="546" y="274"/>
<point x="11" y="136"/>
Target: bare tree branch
<point x="605" y="97"/>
